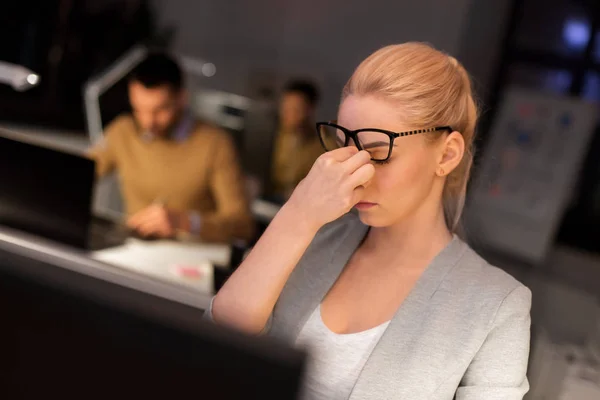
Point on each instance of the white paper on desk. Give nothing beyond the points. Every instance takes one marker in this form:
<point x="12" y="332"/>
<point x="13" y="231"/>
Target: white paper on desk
<point x="158" y="259"/>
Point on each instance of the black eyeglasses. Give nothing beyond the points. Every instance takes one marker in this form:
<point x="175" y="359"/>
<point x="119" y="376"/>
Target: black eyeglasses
<point x="377" y="142"/>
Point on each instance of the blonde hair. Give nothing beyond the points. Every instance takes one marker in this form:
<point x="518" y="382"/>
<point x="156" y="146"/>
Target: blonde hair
<point x="432" y="89"/>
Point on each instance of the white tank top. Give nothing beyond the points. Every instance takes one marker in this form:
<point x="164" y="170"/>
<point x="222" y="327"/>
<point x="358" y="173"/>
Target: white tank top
<point x="335" y="360"/>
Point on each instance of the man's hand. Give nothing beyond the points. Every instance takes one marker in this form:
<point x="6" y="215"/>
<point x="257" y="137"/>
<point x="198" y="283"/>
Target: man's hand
<point x="156" y="220"/>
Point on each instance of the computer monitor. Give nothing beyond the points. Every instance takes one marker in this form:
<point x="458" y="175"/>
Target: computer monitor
<point x="45" y="191"/>
<point x="56" y="342"/>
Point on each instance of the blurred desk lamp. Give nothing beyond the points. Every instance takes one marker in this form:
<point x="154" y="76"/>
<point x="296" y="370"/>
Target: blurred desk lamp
<point x="99" y="84"/>
<point x="17" y="76"/>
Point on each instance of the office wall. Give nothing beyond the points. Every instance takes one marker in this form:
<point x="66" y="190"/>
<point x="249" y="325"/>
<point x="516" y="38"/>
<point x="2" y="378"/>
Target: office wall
<point x="236" y="35"/>
<point x="272" y="39"/>
<point x="481" y="41"/>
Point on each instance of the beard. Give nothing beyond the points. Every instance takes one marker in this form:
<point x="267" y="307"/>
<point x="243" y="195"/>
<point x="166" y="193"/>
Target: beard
<point x="161" y="131"/>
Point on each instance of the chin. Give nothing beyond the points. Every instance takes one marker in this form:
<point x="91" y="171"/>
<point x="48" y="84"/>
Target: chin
<point x="373" y="220"/>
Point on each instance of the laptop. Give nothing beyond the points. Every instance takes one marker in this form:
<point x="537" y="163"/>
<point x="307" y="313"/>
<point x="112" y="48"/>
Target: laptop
<point x="49" y="193"/>
<point x="90" y="341"/>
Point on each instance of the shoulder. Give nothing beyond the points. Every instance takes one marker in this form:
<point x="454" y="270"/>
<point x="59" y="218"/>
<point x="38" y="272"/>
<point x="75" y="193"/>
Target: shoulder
<point x="315" y="147"/>
<point x="337" y="231"/>
<point x="338" y="238"/>
<point x="213" y="139"/>
<point x="120" y="127"/>
<point x="476" y="273"/>
<point x="483" y="290"/>
<point x="207" y="132"/>
<point x="345" y="222"/>
<point x="123" y="121"/>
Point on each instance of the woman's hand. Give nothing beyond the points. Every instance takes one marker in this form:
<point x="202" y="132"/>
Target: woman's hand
<point x="333" y="186"/>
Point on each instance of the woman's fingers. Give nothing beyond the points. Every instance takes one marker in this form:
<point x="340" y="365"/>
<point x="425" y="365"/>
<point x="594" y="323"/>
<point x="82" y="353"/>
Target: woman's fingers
<point x="361" y="176"/>
<point x="342" y="154"/>
<point x="356" y="161"/>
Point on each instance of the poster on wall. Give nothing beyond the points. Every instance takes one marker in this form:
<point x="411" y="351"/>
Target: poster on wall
<point x="528" y="173"/>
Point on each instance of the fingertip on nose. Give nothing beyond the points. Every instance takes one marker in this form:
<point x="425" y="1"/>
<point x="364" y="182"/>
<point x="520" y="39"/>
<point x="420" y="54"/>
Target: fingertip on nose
<point x="372" y="169"/>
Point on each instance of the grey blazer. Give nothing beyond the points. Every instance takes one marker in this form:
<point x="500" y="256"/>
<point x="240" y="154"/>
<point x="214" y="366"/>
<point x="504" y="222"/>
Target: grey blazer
<point x="462" y="332"/>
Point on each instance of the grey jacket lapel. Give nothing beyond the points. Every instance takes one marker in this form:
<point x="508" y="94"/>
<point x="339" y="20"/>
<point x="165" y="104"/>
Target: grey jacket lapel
<point x="314" y="275"/>
<point x="318" y="270"/>
<point x="384" y="366"/>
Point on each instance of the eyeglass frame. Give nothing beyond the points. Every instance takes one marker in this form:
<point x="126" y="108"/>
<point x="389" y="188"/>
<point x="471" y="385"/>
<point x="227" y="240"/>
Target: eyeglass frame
<point x="392" y="135"/>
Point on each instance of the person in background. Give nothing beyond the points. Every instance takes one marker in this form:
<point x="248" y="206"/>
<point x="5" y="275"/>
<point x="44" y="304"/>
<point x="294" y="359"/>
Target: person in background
<point x="363" y="267"/>
<point x="177" y="175"/>
<point x="296" y="145"/>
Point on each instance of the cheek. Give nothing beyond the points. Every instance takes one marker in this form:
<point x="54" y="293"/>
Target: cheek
<point x="143" y="119"/>
<point x="165" y="116"/>
<point x="291" y="114"/>
<point x="404" y="180"/>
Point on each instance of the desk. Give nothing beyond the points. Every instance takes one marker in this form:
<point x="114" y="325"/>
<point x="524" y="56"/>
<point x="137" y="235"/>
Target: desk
<point x="163" y="259"/>
<point x="113" y="269"/>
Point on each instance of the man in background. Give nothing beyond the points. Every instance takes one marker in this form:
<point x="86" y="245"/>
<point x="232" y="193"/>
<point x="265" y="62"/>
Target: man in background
<point x="297" y="145"/>
<point x="177" y="175"/>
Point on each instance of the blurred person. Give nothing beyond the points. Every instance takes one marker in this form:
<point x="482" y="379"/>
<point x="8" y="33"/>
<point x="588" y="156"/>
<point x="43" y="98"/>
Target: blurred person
<point x="362" y="266"/>
<point x="296" y="146"/>
<point x="177" y="174"/>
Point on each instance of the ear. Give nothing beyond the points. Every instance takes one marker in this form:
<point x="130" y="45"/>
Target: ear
<point x="451" y="151"/>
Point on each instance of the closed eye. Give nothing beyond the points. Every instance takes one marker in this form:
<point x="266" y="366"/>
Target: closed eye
<point x="382" y="162"/>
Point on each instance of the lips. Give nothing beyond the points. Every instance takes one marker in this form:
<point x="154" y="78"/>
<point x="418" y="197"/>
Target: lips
<point x="363" y="205"/>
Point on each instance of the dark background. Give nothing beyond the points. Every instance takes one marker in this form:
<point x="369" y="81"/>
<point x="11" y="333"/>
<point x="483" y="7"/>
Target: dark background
<point x="549" y="46"/>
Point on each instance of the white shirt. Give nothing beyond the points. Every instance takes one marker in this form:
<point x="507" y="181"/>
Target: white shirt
<point x="335" y="360"/>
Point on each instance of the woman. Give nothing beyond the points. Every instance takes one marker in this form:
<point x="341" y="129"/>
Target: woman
<point x="391" y="302"/>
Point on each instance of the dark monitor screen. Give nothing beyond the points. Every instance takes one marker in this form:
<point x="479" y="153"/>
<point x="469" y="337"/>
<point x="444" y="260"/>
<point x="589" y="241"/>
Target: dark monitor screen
<point x="55" y="344"/>
<point x="45" y="191"/>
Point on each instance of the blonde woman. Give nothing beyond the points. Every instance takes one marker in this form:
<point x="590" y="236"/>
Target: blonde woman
<point x="362" y="265"/>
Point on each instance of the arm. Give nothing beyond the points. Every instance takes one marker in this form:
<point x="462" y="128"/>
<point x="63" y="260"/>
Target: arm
<point x="498" y="371"/>
<point x="332" y="188"/>
<point x="248" y="297"/>
<point x="232" y="218"/>
<point x="104" y="152"/>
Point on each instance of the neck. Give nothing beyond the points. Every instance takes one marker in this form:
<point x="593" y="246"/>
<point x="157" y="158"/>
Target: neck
<point x="420" y="237"/>
<point x="168" y="132"/>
